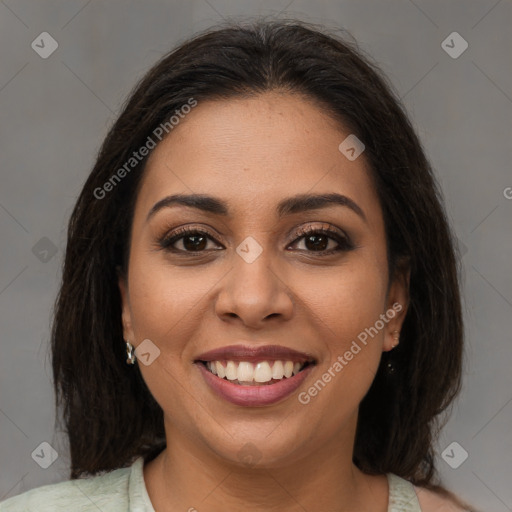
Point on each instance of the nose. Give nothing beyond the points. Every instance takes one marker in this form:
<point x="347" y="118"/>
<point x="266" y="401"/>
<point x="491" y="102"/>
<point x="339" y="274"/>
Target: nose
<point x="254" y="293"/>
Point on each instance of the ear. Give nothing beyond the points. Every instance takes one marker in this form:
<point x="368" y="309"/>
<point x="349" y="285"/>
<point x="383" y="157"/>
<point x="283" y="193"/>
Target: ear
<point x="397" y="303"/>
<point x="126" y="316"/>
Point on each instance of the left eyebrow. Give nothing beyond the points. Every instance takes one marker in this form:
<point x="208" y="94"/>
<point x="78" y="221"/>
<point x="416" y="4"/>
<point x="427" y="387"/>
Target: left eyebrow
<point x="306" y="202"/>
<point x="288" y="206"/>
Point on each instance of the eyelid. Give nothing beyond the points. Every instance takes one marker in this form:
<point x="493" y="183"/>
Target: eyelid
<point x="171" y="231"/>
<point x="324" y="226"/>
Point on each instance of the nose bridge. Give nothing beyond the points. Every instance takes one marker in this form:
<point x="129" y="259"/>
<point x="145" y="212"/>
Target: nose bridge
<point x="253" y="290"/>
<point x="252" y="263"/>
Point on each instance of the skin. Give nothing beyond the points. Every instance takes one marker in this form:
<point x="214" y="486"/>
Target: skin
<point x="252" y="153"/>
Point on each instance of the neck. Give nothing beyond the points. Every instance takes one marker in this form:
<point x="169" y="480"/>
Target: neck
<point x="189" y="476"/>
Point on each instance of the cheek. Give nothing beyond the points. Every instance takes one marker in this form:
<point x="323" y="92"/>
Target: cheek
<point x="347" y="299"/>
<point x="346" y="305"/>
<point x="164" y="302"/>
<point x="161" y="298"/>
<point x="346" y="315"/>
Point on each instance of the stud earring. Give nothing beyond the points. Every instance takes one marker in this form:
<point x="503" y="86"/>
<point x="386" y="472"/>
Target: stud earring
<point x="129" y="351"/>
<point x="390" y="368"/>
<point x="396" y="337"/>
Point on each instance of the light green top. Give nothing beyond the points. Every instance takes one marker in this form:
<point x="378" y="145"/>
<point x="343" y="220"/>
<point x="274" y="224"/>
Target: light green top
<point x="124" y="490"/>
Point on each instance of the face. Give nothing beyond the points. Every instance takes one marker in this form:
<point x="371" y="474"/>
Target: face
<point x="256" y="267"/>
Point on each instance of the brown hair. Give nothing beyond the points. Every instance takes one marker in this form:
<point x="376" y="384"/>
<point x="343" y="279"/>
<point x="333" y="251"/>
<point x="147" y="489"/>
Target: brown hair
<point x="109" y="415"/>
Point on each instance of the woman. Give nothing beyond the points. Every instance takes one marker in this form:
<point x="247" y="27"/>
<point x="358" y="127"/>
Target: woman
<point x="263" y="235"/>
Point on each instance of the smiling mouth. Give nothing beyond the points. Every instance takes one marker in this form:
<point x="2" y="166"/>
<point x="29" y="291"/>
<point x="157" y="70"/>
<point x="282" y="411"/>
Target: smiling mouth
<point x="262" y="373"/>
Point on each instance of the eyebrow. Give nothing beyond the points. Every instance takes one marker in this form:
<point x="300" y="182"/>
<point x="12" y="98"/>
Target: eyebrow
<point x="289" y="206"/>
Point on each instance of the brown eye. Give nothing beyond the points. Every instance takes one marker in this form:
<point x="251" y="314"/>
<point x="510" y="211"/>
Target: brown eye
<point x="316" y="242"/>
<point x="326" y="241"/>
<point x="321" y="241"/>
<point x="192" y="240"/>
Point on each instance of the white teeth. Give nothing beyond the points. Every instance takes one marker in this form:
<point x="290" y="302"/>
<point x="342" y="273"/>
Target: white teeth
<point x="221" y="372"/>
<point x="262" y="372"/>
<point x="278" y="370"/>
<point x="245" y="372"/>
<point x="249" y="373"/>
<point x="231" y="371"/>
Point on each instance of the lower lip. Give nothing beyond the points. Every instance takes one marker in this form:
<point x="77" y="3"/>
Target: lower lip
<point x="253" y="396"/>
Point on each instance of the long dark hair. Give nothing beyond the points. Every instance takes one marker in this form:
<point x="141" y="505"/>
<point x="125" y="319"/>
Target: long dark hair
<point x="109" y="415"/>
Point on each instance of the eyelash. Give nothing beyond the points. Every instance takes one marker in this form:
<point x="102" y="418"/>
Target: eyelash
<point x="344" y="243"/>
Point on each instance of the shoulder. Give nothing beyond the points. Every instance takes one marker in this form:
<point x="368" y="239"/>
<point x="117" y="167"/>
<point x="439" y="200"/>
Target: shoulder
<point x="106" y="492"/>
<point x="431" y="501"/>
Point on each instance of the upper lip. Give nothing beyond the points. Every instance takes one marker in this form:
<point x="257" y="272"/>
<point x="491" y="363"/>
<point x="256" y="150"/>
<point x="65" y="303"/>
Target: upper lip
<point x="254" y="353"/>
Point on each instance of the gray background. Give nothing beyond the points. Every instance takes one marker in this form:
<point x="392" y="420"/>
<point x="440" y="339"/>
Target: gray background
<point x="55" y="112"/>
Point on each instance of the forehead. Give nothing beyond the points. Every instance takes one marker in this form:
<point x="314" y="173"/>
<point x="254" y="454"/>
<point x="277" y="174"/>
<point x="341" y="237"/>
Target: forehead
<point x="254" y="151"/>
